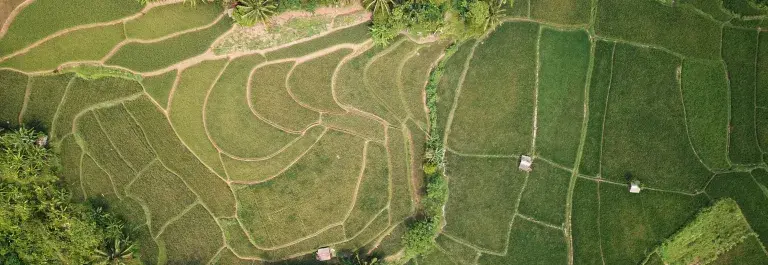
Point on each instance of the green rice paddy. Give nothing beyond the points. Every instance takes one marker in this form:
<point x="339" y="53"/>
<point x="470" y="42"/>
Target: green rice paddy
<point x="262" y="156"/>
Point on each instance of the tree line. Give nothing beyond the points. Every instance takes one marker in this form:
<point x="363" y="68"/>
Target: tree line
<point x="449" y="19"/>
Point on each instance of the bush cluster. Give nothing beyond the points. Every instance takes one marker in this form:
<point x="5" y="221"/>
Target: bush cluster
<point x="453" y="19"/>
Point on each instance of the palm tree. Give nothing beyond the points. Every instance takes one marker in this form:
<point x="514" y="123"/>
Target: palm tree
<point x="119" y="253"/>
<point x="378" y="5"/>
<point x="495" y="14"/>
<point x="249" y="12"/>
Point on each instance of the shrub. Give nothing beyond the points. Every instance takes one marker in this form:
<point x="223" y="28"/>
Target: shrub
<point x="418" y="239"/>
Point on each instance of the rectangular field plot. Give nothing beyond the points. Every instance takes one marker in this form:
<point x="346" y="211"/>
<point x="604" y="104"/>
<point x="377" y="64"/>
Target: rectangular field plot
<point x="311" y="82"/>
<point x="449" y="82"/>
<point x="82" y="94"/>
<point x="599" y="87"/>
<point x="474" y="213"/>
<point x="210" y="188"/>
<point x="227" y="257"/>
<point x="89" y="44"/>
<point x="372" y="230"/>
<point x="458" y="251"/>
<point x="186" y="110"/>
<point x="742" y="8"/>
<point x="326" y="238"/>
<point x="149" y="249"/>
<point x="632" y="225"/>
<point x="531" y="243"/>
<point x="762" y="71"/>
<point x="373" y="193"/>
<point x="126" y="135"/>
<point x="545" y="194"/>
<point x="315" y="192"/>
<point x="14" y="86"/>
<point x="98" y="145"/>
<point x="355" y="123"/>
<point x="192" y="239"/>
<point x="162" y="192"/>
<point x="70" y="155"/>
<point x="391" y="241"/>
<point x="567" y="12"/>
<point x="712" y="8"/>
<point x="27" y="28"/>
<point x="750" y="196"/>
<point x="159" y="86"/>
<point x="384" y="71"/>
<point x="418" y="143"/>
<point x="351" y="90"/>
<point x="563" y="60"/>
<point x="662" y="26"/>
<point x="496" y="103"/>
<point x="238" y="240"/>
<point x="145" y="57"/>
<point x="44" y="98"/>
<point x="270" y="98"/>
<point x="585" y="220"/>
<point x="739" y="51"/>
<point x="261" y="170"/>
<point x="762" y="128"/>
<point x="749" y="252"/>
<point x="95" y="181"/>
<point x="705" y="93"/>
<point x="435" y="256"/>
<point x="401" y="201"/>
<point x="519" y="9"/>
<point x="166" y="19"/>
<point x="645" y="134"/>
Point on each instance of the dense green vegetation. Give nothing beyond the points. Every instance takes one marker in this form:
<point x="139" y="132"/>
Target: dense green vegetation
<point x="39" y="223"/>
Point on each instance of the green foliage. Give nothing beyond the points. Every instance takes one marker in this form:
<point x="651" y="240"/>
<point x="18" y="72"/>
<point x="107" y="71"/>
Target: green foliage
<point x="23" y="161"/>
<point x="714" y="231"/>
<point x="250" y="12"/>
<point x="458" y="20"/>
<point x="418" y="239"/>
<point x="38" y="222"/>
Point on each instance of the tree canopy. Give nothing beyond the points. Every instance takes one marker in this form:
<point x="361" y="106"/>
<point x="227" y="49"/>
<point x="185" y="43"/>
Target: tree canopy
<point x="39" y="224"/>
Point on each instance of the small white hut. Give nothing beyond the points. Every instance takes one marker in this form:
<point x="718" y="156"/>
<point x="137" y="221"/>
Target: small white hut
<point x="324" y="254"/>
<point x="525" y="163"/>
<point x="634" y="187"/>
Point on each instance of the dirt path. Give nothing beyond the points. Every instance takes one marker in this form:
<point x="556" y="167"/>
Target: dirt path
<point x="9" y="9"/>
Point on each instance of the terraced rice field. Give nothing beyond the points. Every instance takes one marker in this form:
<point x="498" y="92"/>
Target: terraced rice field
<point x="262" y="156"/>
